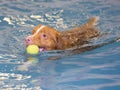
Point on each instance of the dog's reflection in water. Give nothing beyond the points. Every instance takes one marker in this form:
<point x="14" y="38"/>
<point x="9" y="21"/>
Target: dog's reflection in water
<point x="31" y="61"/>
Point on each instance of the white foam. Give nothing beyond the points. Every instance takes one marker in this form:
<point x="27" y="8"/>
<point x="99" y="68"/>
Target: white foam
<point x="8" y="20"/>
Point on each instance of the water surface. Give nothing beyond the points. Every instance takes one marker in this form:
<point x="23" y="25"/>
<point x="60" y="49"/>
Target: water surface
<point x="98" y="69"/>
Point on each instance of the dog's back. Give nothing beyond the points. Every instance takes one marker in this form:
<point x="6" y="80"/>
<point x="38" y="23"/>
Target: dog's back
<point x="81" y="35"/>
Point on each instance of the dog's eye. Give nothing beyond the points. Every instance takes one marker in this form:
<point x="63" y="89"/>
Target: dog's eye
<point x="44" y="35"/>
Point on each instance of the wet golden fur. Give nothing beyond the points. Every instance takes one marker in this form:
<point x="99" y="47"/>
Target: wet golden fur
<point x="56" y="40"/>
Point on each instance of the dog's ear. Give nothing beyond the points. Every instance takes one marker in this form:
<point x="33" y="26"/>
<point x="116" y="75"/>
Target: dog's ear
<point x="59" y="43"/>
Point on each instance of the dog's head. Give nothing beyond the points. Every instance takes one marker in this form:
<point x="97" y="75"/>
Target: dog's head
<point x="45" y="37"/>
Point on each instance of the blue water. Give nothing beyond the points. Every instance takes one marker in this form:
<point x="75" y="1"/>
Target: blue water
<point x="98" y="69"/>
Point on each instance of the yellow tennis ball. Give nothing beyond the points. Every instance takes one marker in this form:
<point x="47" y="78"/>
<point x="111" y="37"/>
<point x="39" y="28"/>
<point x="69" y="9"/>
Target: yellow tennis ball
<point x="32" y="49"/>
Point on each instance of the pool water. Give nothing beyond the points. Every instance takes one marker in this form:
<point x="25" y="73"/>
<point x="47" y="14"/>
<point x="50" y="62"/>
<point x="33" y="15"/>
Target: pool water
<point x="97" y="69"/>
